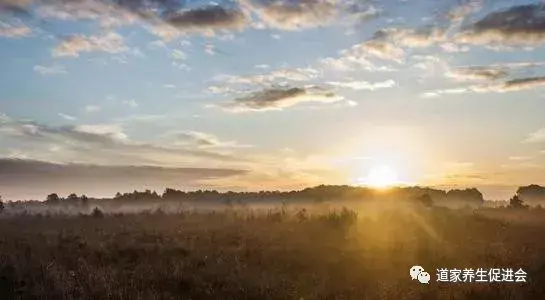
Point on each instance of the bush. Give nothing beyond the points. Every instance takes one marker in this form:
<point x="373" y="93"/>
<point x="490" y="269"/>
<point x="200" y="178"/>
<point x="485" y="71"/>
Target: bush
<point x="343" y="219"/>
<point x="97" y="213"/>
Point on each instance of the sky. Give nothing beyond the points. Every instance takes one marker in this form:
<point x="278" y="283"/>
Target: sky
<point x="100" y="96"/>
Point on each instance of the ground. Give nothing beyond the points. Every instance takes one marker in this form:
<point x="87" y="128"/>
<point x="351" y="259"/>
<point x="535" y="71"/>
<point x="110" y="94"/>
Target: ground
<point x="270" y="255"/>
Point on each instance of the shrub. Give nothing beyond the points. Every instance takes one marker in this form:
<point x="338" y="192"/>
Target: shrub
<point x="97" y="213"/>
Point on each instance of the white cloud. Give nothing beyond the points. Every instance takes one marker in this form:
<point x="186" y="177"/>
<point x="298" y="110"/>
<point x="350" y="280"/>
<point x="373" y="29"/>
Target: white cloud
<point x="130" y="103"/>
<point x="14" y="31"/>
<point x="72" y="46"/>
<point x="178" y="55"/>
<point x="158" y="44"/>
<point x="536" y="137"/>
<point x="113" y="131"/>
<point x="200" y="140"/>
<point x="92" y="108"/>
<point x="273" y="77"/>
<point x="67" y="117"/>
<point x="210" y="49"/>
<point x="520" y="158"/>
<point x="363" y="85"/>
<point x="49" y="70"/>
<point x="454" y="48"/>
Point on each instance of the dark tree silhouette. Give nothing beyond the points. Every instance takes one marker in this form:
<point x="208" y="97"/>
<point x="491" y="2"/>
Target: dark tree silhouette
<point x="1" y="205"/>
<point x="72" y="197"/>
<point x="53" y="198"/>
<point x="97" y="213"/>
<point x="516" y="202"/>
<point x="532" y="194"/>
<point x="84" y="200"/>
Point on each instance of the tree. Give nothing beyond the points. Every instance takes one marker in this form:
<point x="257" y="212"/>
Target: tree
<point x="426" y="200"/>
<point x="84" y="200"/>
<point x="1" y="205"/>
<point x="517" y="202"/>
<point x="53" y="198"/>
<point x="97" y="213"/>
<point x="72" y="197"/>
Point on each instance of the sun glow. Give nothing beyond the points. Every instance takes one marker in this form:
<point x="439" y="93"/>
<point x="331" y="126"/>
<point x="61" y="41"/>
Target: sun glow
<point x="381" y="177"/>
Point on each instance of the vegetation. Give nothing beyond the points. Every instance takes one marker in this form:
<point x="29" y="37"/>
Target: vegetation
<point x="517" y="203"/>
<point x="303" y="248"/>
<point x="274" y="254"/>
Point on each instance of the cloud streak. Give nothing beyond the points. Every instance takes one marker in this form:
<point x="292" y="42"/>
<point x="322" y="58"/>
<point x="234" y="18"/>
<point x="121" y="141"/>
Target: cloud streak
<point x="36" y="179"/>
<point x="74" y="45"/>
<point x="14" y="31"/>
<point x="280" y="98"/>
<point x="518" y="25"/>
<point x="99" y="144"/>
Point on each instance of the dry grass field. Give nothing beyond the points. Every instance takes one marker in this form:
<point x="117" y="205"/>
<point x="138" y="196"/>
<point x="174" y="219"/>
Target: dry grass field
<point x="275" y="254"/>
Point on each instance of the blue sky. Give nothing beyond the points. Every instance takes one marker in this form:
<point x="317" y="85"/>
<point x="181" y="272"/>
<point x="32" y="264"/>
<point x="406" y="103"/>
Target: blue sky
<point x="272" y="94"/>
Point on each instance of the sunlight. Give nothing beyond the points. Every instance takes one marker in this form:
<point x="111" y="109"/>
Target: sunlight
<point x="381" y="176"/>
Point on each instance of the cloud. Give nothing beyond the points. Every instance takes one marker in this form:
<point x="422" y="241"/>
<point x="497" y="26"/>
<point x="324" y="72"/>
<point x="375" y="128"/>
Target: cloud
<point x="72" y="46"/>
<point x="520" y="158"/>
<point x="21" y="178"/>
<point x="292" y="15"/>
<point x="206" y="19"/>
<point x="67" y="117"/>
<point x="110" y="131"/>
<point x="11" y="31"/>
<point x="381" y="49"/>
<point x="513" y="85"/>
<point x="49" y="70"/>
<point x="170" y="20"/>
<point x="473" y="73"/>
<point x="352" y="60"/>
<point x="536" y="137"/>
<point x="454" y="48"/>
<point x="437" y="93"/>
<point x="386" y="44"/>
<point x="92" y="108"/>
<point x="518" y="25"/>
<point x="107" y="13"/>
<point x="460" y="12"/>
<point x="413" y="38"/>
<point x="280" y="98"/>
<point x="363" y="85"/>
<point x="175" y="22"/>
<point x="130" y="103"/>
<point x="178" y="55"/>
<point x="99" y="144"/>
<point x="201" y="140"/>
<point x="489" y="72"/>
<point x="14" y="6"/>
<point x="210" y="49"/>
<point x="280" y="76"/>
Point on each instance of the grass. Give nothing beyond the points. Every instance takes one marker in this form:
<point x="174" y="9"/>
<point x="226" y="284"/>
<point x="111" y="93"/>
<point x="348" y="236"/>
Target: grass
<point x="280" y="254"/>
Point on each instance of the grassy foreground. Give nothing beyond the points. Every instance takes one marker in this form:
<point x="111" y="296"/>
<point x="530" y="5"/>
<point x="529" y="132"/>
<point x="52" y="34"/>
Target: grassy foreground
<point x="272" y="255"/>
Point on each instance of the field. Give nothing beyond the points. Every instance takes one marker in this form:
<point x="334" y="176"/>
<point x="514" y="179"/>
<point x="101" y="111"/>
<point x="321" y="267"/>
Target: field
<point x="273" y="254"/>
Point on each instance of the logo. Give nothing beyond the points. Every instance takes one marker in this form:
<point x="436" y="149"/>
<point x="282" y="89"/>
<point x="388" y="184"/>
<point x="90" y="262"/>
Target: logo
<point x="417" y="272"/>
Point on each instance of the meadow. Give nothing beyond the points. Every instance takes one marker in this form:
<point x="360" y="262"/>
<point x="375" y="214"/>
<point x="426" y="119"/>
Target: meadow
<point x="282" y="253"/>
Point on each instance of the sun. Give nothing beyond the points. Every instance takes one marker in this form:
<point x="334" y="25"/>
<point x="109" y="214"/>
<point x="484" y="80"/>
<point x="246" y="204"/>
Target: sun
<point x="381" y="177"/>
